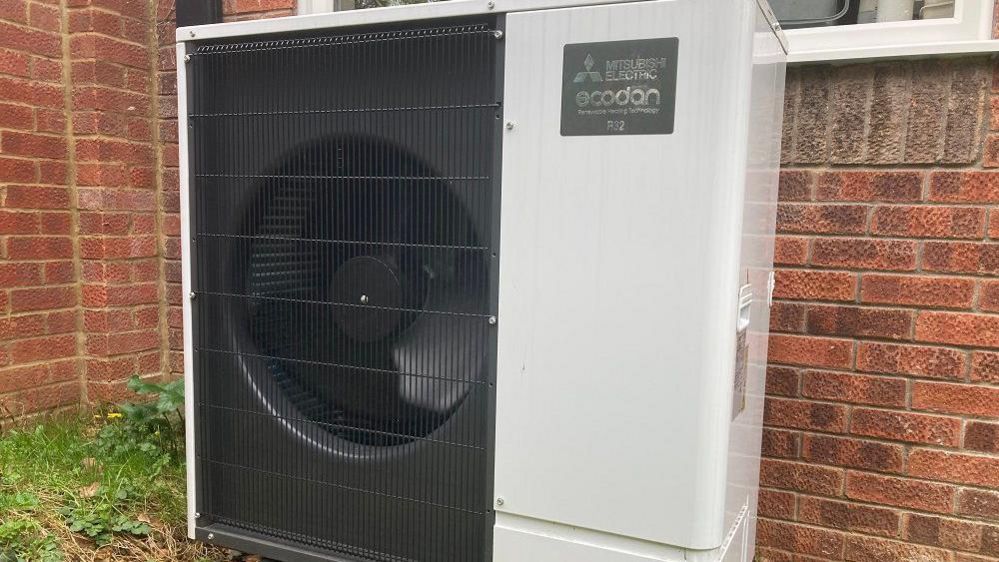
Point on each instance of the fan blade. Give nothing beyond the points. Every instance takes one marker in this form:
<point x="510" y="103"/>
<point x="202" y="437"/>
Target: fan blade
<point x="437" y="360"/>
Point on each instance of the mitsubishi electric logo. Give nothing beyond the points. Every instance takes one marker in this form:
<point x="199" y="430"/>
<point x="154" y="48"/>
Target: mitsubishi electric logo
<point x="588" y="73"/>
<point x="619" y="87"/>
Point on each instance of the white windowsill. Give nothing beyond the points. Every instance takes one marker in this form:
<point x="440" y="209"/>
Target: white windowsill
<point x="913" y="50"/>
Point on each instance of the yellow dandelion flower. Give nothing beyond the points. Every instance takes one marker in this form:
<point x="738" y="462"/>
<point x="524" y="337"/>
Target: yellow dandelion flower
<point x="114" y="415"/>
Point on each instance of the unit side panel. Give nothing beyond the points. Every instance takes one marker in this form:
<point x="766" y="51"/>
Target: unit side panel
<point x="619" y="285"/>
<point x="765" y="124"/>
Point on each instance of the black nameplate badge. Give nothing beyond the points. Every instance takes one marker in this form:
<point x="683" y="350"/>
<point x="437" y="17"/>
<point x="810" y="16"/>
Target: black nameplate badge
<point x="619" y="87"/>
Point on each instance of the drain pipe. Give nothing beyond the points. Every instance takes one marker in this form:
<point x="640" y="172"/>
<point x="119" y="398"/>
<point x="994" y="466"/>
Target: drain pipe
<point x="198" y="12"/>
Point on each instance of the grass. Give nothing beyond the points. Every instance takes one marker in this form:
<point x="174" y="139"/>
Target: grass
<point x="94" y="487"/>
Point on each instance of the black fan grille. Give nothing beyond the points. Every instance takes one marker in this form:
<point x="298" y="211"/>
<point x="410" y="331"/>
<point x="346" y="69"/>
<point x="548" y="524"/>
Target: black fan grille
<point x="344" y="263"/>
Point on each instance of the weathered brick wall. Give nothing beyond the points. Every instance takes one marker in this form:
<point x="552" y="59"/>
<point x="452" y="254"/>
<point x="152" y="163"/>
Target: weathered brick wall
<point x="89" y="270"/>
<point x="39" y="298"/>
<point x="881" y="442"/>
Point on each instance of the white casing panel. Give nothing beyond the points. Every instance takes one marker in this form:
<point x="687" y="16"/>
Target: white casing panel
<point x="622" y="260"/>
<point x="621" y="263"/>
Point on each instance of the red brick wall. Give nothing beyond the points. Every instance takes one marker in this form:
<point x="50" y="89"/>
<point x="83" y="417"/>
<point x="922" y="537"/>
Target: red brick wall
<point x="881" y="440"/>
<point x="89" y="270"/>
<point x="39" y="297"/>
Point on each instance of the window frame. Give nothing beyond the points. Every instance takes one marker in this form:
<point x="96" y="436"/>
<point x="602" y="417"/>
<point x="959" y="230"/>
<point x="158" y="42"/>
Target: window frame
<point x="969" y="31"/>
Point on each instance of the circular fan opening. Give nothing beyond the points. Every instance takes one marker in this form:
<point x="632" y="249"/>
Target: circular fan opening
<point x="362" y="266"/>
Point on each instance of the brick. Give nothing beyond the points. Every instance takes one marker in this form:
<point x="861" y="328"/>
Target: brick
<point x="897" y="187"/>
<point x="988" y="300"/>
<point x="801" y="477"/>
<point x="19" y="274"/>
<point x="37" y="197"/>
<point x="812" y="116"/>
<point x="954" y="467"/>
<point x="848" y="516"/>
<point x="964" y="187"/>
<point x="861" y="253"/>
<point x="859" y="322"/>
<point x="31" y="92"/>
<point x="801" y="414"/>
<point x="59" y="273"/>
<point x="32" y="145"/>
<point x="13" y="222"/>
<point x="23" y="171"/>
<point x="52" y="172"/>
<point x="888" y="113"/>
<point x="811" y="351"/>
<point x="815" y="285"/>
<point x="795" y="185"/>
<point x="854" y="388"/>
<point x="943" y="532"/>
<point x="14" y="10"/>
<point x="982" y="437"/>
<point x="56" y="223"/>
<point x="46" y="398"/>
<point x="928" y="222"/>
<point x="788" y="250"/>
<point x="852" y="453"/>
<point x="782" y="381"/>
<point x="994" y="224"/>
<point x="990" y="158"/>
<point x="979" y="330"/>
<point x="46" y="298"/>
<point x="766" y="554"/>
<point x="899" y="492"/>
<point x="945" y="292"/>
<point x="851" y="96"/>
<point x="118" y="248"/>
<point x="39" y="248"/>
<point x="17" y="378"/>
<point x="966" y="100"/>
<point x="30" y="40"/>
<point x="42" y="349"/>
<point x="800" y="538"/>
<point x="906" y="426"/>
<point x="795" y="218"/>
<point x="921" y="361"/>
<point x="776" y="504"/>
<point x="956" y="398"/>
<point x="925" y="135"/>
<point x="787" y="317"/>
<point x="779" y="443"/>
<point x="978" y="503"/>
<point x="14" y="63"/>
<point x="961" y="257"/>
<point x="870" y="549"/>
<point x="16" y="116"/>
<point x="985" y="367"/>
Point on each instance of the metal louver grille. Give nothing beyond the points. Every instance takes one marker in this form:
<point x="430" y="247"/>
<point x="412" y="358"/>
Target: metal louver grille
<point x="344" y="212"/>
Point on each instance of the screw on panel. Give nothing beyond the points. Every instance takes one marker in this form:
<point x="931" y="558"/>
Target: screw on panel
<point x="192" y="295"/>
<point x="500" y="501"/>
<point x="498" y="34"/>
<point x="491" y="5"/>
<point x="211" y="536"/>
<point x="191" y="33"/>
<point x="364" y="299"/>
<point x="509" y="125"/>
<point x="492" y="320"/>
<point x="187" y="58"/>
<point x="197" y="516"/>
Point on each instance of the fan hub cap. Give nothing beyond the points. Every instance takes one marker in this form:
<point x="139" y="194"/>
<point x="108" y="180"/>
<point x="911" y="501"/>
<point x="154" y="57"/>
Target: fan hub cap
<point x="374" y="283"/>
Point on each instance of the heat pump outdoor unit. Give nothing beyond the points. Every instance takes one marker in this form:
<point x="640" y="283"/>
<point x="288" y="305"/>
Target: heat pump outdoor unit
<point x="480" y="280"/>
